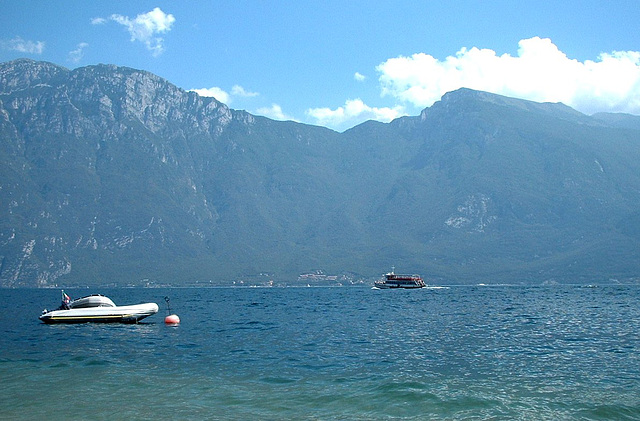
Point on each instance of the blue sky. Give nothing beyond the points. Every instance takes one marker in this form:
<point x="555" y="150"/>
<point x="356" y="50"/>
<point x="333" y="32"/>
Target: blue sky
<point x="339" y="63"/>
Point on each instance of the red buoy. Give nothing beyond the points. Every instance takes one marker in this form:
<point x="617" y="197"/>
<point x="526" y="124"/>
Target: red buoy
<point x="172" y="320"/>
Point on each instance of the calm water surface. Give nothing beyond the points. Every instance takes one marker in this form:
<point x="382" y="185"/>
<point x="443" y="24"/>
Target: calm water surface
<point x="330" y="354"/>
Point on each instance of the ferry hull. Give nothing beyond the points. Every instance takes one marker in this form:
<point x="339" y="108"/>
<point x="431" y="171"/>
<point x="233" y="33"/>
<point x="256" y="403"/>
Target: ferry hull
<point x="381" y="285"/>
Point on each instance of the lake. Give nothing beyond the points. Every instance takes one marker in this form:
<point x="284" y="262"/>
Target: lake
<point x="342" y="353"/>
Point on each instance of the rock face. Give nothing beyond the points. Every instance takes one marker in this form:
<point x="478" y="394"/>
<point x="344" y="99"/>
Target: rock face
<point x="112" y="175"/>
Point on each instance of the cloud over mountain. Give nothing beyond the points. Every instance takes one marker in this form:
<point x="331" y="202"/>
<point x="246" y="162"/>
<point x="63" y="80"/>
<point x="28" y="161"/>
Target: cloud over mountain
<point x="353" y="112"/>
<point x="274" y="112"/>
<point x="145" y="28"/>
<point x="22" y="46"/>
<point x="76" y="55"/>
<point x="215" y="92"/>
<point x="540" y="72"/>
<point x="224" y="96"/>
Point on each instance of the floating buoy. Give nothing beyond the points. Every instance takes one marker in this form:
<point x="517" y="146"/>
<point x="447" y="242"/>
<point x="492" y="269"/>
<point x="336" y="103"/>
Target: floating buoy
<point x="172" y="319"/>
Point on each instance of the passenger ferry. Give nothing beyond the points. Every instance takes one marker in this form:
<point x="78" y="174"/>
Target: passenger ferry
<point x="391" y="280"/>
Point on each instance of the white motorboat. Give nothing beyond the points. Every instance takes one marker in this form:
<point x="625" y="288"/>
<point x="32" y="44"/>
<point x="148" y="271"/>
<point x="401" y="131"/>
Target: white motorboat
<point x="391" y="280"/>
<point x="97" y="308"/>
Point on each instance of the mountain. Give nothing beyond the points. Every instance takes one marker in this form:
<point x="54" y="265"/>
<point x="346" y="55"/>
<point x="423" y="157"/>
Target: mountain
<point x="114" y="175"/>
<point x="619" y="120"/>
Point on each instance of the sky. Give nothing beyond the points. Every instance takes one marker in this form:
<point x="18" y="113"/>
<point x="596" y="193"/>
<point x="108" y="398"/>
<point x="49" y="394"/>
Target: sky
<point x="338" y="63"/>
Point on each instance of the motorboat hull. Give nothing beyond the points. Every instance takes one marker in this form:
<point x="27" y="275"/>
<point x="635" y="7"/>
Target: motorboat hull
<point x="117" y="314"/>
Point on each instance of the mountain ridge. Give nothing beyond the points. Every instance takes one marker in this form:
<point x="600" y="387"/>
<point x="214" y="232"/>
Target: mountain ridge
<point x="113" y="175"/>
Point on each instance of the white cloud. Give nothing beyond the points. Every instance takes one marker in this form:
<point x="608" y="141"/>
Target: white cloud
<point x="274" y="112"/>
<point x="76" y="55"/>
<point x="540" y="72"/>
<point x="98" y="21"/>
<point x="238" y="90"/>
<point x="224" y="96"/>
<point x="22" y="46"/>
<point x="359" y="77"/>
<point x="145" y="28"/>
<point x="214" y="92"/>
<point x="353" y="112"/>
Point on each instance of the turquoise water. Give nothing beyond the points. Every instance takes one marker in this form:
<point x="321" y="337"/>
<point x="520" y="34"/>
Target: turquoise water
<point x="466" y="353"/>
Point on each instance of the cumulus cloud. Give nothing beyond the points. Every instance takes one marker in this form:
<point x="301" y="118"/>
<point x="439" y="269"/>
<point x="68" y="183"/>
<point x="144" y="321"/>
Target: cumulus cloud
<point x="224" y="96"/>
<point x="353" y="112"/>
<point x="238" y="90"/>
<point x="359" y="77"/>
<point x="275" y="112"/>
<point x="539" y="72"/>
<point x="76" y="55"/>
<point x="22" y="46"/>
<point x="145" y="28"/>
<point x="214" y="92"/>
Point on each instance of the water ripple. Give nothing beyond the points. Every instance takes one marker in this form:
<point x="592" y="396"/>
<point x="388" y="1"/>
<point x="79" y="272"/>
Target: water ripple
<point x="333" y="354"/>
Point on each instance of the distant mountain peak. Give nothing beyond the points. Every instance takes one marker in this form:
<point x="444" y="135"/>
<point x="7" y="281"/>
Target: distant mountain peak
<point x="23" y="73"/>
<point x="465" y="97"/>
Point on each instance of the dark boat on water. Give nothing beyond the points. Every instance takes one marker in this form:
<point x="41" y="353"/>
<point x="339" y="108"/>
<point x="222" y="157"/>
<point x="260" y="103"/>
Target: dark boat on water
<point x="392" y="280"/>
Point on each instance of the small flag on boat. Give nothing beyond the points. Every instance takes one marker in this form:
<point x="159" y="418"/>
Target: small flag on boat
<point x="65" y="298"/>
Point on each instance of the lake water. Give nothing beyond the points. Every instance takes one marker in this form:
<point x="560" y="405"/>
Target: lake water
<point x="351" y="353"/>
